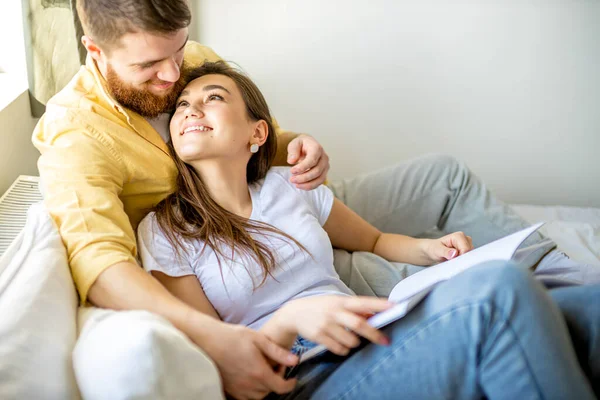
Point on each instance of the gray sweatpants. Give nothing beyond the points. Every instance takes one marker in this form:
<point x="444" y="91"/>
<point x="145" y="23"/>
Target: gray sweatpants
<point x="424" y="197"/>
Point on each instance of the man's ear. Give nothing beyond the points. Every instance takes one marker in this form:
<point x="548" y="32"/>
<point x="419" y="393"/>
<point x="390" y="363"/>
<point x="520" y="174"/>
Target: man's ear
<point x="92" y="48"/>
<point x="261" y="133"/>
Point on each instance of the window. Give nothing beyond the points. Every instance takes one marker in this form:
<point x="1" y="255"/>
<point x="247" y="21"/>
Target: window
<point x="13" y="67"/>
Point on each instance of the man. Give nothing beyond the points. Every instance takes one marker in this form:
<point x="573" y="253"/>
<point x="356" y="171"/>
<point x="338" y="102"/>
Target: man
<point x="104" y="163"/>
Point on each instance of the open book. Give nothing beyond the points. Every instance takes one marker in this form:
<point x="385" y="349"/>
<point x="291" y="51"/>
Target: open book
<point x="410" y="291"/>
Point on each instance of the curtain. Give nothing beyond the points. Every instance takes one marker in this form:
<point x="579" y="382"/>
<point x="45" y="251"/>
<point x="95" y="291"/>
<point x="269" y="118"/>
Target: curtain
<point x="53" y="48"/>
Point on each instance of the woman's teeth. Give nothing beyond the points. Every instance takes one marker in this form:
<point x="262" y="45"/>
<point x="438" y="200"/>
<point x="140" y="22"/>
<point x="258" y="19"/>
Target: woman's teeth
<point x="200" y="128"/>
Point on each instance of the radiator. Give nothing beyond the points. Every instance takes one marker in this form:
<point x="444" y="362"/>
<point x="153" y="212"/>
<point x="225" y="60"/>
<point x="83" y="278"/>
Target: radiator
<point x="13" y="208"/>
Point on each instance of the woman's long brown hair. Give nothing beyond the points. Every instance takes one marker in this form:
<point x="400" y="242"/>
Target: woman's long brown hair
<point x="190" y="213"/>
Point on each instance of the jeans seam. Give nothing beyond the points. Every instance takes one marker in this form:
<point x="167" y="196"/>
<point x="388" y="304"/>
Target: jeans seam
<point x="435" y="318"/>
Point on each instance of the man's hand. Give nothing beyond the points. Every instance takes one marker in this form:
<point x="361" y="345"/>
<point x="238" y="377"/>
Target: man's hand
<point x="310" y="161"/>
<point x="244" y="357"/>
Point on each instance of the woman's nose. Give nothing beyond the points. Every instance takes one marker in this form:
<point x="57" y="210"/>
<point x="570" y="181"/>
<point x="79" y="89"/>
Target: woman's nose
<point x="193" y="111"/>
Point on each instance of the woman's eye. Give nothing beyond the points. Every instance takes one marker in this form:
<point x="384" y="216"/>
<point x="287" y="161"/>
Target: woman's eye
<point x="214" y="97"/>
<point x="182" y="103"/>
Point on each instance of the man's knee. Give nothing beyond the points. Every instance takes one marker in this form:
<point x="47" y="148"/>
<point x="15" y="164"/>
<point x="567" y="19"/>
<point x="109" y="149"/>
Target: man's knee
<point x="136" y="354"/>
<point x="446" y="164"/>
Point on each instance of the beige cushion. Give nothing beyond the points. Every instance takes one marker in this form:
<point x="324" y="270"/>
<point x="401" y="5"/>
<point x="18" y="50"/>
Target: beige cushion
<point x="139" y="355"/>
<point x="38" y="306"/>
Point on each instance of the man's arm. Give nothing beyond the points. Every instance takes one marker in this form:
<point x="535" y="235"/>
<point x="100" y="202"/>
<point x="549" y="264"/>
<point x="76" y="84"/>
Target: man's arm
<point x="126" y="286"/>
<point x="82" y="180"/>
<point x="239" y="352"/>
<point x="309" y="159"/>
<point x="283" y="141"/>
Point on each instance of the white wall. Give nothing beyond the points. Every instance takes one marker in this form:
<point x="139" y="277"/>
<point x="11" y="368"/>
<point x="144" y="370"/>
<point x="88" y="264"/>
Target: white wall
<point x="17" y="154"/>
<point x="511" y="87"/>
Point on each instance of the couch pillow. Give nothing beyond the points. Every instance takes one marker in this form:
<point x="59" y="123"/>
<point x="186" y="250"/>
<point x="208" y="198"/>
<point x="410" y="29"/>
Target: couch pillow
<point x="139" y="355"/>
<point x="38" y="308"/>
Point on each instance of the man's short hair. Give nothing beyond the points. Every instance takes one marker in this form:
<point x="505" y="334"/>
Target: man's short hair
<point x="106" y="21"/>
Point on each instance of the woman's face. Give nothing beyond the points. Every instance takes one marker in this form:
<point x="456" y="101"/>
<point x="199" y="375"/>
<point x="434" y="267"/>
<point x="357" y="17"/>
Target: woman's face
<point x="211" y="121"/>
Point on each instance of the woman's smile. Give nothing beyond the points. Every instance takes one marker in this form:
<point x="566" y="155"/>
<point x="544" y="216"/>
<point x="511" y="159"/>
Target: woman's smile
<point x="196" y="128"/>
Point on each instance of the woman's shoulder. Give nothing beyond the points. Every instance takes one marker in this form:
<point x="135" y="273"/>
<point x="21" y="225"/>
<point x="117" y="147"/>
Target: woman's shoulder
<point x="278" y="176"/>
<point x="148" y="221"/>
<point x="150" y="233"/>
<point x="276" y="185"/>
<point x="149" y="227"/>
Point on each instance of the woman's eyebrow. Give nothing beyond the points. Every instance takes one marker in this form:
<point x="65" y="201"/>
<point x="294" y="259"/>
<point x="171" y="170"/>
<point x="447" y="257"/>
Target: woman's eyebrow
<point x="213" y="87"/>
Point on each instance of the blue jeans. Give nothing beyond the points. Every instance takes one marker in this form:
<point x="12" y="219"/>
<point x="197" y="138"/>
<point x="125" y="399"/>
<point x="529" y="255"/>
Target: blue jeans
<point x="580" y="306"/>
<point x="491" y="331"/>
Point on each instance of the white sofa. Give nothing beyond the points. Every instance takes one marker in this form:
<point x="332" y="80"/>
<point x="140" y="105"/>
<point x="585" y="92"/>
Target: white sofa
<point x="53" y="349"/>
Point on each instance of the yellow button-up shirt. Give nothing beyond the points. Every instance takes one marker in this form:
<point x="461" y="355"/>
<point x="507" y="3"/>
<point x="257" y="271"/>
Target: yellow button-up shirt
<point x="102" y="168"/>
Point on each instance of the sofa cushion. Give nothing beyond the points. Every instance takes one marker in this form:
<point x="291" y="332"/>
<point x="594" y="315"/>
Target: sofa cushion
<point x="38" y="308"/>
<point x="139" y="355"/>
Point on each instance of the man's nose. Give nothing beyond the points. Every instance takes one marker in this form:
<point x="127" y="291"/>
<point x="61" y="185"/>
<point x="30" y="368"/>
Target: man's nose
<point x="169" y="71"/>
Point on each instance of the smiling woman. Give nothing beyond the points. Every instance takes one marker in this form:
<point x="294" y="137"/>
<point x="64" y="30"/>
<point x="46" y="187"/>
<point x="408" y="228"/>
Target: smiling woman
<point x="241" y="244"/>
<point x="218" y="118"/>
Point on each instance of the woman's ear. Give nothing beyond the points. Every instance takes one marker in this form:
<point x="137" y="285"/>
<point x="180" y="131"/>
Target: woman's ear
<point x="261" y="133"/>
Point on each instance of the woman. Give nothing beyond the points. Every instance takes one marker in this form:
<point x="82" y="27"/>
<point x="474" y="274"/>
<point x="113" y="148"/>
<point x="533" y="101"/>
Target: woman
<point x="238" y="242"/>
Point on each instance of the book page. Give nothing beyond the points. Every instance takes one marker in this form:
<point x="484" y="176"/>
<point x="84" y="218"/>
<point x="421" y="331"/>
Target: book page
<point x="501" y="249"/>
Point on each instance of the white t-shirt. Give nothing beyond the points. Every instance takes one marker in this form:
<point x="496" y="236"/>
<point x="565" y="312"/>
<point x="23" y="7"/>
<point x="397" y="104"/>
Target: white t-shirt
<point x="275" y="201"/>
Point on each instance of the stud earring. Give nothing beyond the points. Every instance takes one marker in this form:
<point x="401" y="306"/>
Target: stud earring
<point x="254" y="148"/>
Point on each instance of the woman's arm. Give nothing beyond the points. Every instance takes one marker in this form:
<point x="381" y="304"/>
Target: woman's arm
<point x="347" y="230"/>
<point x="187" y="289"/>
<point x="279" y="329"/>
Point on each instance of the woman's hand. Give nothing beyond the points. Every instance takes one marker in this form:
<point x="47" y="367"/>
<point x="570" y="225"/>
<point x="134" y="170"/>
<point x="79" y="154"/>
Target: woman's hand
<point x="310" y="161"/>
<point x="447" y="247"/>
<point x="333" y="321"/>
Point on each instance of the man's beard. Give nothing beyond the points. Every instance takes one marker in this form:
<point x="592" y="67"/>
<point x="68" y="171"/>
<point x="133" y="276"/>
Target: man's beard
<point x="144" y="102"/>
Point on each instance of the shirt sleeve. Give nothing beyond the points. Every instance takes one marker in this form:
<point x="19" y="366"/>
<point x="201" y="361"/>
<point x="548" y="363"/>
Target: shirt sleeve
<point x="158" y="254"/>
<point x="81" y="180"/>
<point x="320" y="199"/>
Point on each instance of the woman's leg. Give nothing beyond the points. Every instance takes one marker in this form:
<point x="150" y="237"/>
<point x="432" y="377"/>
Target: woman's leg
<point x="490" y="331"/>
<point x="411" y="198"/>
<point x="581" y="308"/>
